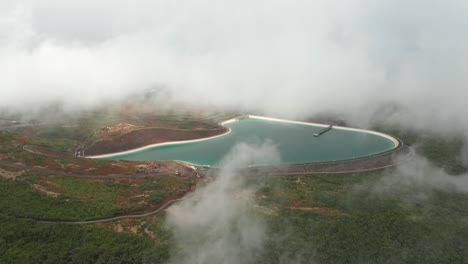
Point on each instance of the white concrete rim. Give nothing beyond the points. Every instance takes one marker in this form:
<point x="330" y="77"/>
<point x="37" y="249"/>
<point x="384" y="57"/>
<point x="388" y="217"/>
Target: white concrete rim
<point x="394" y="140"/>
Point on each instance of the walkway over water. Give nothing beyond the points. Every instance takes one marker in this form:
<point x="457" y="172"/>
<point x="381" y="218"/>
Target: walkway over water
<point x="323" y="131"/>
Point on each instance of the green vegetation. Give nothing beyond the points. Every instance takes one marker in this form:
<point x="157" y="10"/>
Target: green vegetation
<point x="55" y="132"/>
<point x="442" y="152"/>
<point x="359" y="218"/>
<point x="26" y="241"/>
<point x="78" y="198"/>
<point x="5" y="137"/>
<point x="65" y="145"/>
<point x="18" y="198"/>
<point x="158" y="189"/>
<point x="351" y="222"/>
<point x="86" y="190"/>
<point x="164" y="183"/>
<point x="353" y="218"/>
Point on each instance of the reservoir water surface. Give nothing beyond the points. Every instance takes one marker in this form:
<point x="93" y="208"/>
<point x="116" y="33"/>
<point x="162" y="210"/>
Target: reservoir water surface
<point x="295" y="141"/>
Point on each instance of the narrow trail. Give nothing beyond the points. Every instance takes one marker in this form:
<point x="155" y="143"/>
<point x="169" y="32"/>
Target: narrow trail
<point x="105" y="176"/>
<point x="111" y="219"/>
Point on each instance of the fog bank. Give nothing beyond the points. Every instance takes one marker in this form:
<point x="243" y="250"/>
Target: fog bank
<point x="288" y="59"/>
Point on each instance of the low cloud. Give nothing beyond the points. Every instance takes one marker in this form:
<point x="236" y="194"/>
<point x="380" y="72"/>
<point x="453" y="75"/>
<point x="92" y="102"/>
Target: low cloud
<point x="218" y="223"/>
<point x="290" y="59"/>
<point x="417" y="177"/>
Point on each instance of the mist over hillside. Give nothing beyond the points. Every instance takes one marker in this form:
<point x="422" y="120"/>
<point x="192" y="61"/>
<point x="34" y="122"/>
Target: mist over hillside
<point x="285" y="59"/>
<point x="391" y="64"/>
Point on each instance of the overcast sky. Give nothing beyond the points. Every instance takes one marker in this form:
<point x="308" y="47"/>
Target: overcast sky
<point x="288" y="58"/>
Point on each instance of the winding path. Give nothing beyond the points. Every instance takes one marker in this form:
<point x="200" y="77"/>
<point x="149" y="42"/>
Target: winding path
<point x="107" y="176"/>
<point x="111" y="219"/>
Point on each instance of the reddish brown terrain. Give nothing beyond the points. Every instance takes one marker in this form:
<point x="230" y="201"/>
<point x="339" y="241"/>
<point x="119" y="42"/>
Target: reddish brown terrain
<point x="138" y="188"/>
<point x="46" y="151"/>
<point x="147" y="136"/>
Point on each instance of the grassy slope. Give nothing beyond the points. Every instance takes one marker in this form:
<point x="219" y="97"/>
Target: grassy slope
<point x="372" y="223"/>
<point x="359" y="225"/>
<point x="351" y="221"/>
<point x="25" y="241"/>
<point x="441" y="151"/>
<point x="82" y="199"/>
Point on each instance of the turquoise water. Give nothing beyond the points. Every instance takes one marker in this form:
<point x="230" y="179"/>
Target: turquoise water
<point x="295" y="142"/>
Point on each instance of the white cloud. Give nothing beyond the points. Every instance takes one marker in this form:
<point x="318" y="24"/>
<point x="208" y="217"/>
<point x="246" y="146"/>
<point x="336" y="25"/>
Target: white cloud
<point x="285" y="58"/>
<point x="217" y="223"/>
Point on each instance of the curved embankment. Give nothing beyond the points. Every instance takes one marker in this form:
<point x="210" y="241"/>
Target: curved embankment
<point x="395" y="141"/>
<point x="146" y="138"/>
<point x="374" y="162"/>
